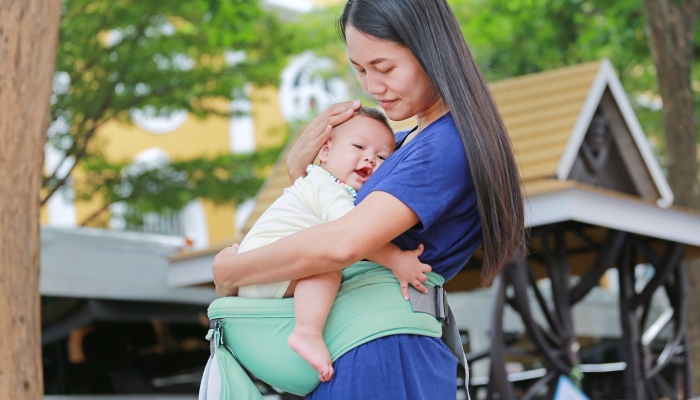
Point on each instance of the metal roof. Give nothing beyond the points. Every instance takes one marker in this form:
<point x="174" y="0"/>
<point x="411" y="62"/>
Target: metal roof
<point x="547" y="115"/>
<point x="104" y="264"/>
<point x="540" y="112"/>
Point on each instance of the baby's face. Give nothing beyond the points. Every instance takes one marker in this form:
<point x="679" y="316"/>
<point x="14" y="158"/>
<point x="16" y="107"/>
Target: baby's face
<point x="356" y="148"/>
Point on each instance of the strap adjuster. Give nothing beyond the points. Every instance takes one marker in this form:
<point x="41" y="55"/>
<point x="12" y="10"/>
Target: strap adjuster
<point x="441" y="305"/>
<point x="216" y="334"/>
<point x="434" y="302"/>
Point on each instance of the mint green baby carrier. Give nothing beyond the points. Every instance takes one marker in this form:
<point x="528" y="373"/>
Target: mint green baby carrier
<point x="251" y="334"/>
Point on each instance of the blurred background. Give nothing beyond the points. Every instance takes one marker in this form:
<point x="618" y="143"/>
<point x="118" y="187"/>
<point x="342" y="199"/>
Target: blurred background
<point x="167" y="136"/>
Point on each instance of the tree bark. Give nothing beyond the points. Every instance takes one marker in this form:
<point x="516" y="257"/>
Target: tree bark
<point x="28" y="40"/>
<point x="670" y="28"/>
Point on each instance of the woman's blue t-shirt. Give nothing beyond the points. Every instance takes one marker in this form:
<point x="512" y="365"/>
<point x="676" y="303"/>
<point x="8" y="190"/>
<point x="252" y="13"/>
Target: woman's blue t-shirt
<point x="431" y="175"/>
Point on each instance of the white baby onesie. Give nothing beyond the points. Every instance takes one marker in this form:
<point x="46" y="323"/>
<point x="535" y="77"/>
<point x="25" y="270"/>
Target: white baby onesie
<point x="312" y="200"/>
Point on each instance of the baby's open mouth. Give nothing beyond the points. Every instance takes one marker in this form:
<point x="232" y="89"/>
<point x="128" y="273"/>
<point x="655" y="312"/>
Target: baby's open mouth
<point x="364" y="172"/>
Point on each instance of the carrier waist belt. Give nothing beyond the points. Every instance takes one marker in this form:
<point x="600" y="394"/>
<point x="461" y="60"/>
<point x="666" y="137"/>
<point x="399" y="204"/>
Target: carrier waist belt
<point x="251" y="334"/>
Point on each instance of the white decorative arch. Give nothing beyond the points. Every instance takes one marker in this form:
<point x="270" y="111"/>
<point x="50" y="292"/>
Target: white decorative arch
<point x="152" y="157"/>
<point x="149" y="120"/>
<point x="305" y="88"/>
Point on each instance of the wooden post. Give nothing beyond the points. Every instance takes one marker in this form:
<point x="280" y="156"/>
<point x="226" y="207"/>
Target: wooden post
<point x="28" y="42"/>
<point x="634" y="371"/>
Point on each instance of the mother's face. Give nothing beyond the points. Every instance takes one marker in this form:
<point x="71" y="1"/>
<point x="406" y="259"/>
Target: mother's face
<point x="392" y="74"/>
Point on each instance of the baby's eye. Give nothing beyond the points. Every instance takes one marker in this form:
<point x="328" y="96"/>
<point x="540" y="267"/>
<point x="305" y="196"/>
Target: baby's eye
<point x="381" y="157"/>
<point x="358" y="146"/>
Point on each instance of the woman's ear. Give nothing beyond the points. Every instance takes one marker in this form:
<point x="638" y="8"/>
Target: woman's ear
<point x="323" y="153"/>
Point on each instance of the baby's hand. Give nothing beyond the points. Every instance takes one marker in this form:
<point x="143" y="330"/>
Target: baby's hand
<point x="409" y="270"/>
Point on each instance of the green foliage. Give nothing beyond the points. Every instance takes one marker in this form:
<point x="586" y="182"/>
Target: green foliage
<point x="317" y="31"/>
<point x="159" y="56"/>
<point x="167" y="187"/>
<point x="516" y="37"/>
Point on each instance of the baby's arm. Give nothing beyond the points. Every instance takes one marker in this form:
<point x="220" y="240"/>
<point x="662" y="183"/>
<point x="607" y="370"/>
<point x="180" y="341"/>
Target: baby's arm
<point x="405" y="265"/>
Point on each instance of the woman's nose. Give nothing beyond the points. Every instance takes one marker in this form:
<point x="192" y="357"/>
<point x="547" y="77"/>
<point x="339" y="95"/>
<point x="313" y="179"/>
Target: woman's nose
<point x="374" y="85"/>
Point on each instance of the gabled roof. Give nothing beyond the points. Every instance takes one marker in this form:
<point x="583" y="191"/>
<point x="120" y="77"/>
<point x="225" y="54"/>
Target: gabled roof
<point x="540" y="112"/>
<point x="552" y="201"/>
<point x="547" y="115"/>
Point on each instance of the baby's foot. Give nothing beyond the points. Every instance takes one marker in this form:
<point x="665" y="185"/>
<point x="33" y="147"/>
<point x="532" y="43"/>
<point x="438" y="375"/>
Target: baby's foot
<point x="311" y="347"/>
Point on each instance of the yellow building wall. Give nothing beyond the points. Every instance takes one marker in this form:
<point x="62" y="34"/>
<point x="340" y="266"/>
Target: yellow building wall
<point x="195" y="138"/>
<point x="220" y="221"/>
<point x="270" y="127"/>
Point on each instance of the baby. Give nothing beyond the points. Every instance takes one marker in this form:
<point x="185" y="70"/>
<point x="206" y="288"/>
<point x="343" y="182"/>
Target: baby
<point x="354" y="151"/>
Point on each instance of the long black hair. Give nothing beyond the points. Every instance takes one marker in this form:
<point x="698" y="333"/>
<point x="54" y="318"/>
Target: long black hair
<point x="430" y="30"/>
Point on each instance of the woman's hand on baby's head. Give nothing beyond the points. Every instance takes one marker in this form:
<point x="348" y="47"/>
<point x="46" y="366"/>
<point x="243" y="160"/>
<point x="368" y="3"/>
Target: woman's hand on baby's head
<point x="316" y="134"/>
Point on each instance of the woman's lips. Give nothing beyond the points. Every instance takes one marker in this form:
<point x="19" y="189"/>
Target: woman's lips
<point x="386" y="103"/>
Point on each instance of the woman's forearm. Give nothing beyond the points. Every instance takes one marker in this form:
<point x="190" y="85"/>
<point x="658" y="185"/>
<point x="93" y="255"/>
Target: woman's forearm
<point x="289" y="258"/>
<point x="326" y="247"/>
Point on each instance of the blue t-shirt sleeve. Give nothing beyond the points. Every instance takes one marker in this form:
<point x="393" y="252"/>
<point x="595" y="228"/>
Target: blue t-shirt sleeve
<point x="431" y="180"/>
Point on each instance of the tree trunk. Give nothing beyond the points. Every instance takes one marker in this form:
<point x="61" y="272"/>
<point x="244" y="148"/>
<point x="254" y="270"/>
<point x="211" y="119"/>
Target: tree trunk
<point x="671" y="28"/>
<point x="28" y="40"/>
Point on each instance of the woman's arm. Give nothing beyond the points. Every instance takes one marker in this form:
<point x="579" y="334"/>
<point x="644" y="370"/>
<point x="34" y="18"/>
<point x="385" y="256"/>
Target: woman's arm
<point x="315" y="135"/>
<point x="332" y="246"/>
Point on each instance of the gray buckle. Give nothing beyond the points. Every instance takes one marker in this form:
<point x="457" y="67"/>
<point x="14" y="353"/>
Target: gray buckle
<point x="218" y="326"/>
<point x="433" y="303"/>
<point x="441" y="305"/>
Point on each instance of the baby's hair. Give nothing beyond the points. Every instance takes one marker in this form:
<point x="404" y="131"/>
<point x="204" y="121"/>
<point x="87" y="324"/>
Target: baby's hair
<point x="375" y="114"/>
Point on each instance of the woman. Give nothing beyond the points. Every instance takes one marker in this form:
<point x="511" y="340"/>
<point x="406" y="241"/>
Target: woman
<point x="452" y="185"/>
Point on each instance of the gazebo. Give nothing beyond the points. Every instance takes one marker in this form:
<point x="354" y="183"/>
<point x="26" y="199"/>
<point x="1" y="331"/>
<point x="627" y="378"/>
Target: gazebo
<point x="597" y="201"/>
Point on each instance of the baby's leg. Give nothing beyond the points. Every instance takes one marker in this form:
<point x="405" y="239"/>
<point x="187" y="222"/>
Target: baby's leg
<point x="313" y="298"/>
